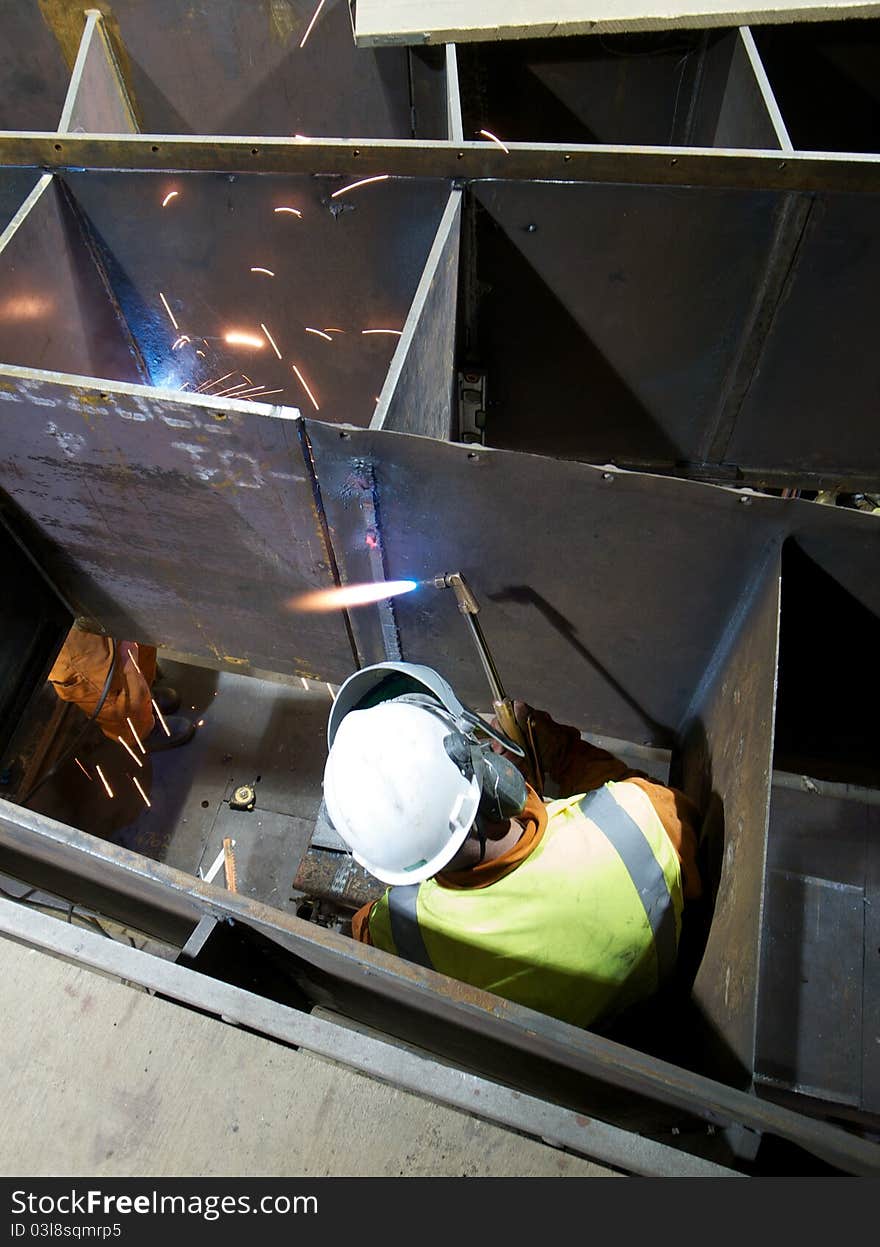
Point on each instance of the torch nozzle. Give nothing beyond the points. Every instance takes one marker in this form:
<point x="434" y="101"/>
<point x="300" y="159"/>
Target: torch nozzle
<point x="467" y="603"/>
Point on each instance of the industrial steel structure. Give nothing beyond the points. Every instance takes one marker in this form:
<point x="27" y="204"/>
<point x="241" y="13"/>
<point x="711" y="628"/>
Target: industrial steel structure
<point x="595" y="360"/>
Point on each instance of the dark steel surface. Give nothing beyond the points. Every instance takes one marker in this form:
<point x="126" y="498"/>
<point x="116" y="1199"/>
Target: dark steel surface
<point x="819" y="371"/>
<point x="56" y="314"/>
<point x="871" y="999"/>
<point x="418" y="394"/>
<point x="172" y="520"/>
<point x="570" y="565"/>
<point x="656" y="89"/>
<point x="267" y="849"/>
<point x="15" y="186"/>
<point x="727" y="749"/>
<point x="816" y="951"/>
<point x="350" y="263"/>
<point x="170" y="904"/>
<point x="612" y="321"/>
<point x="34" y="69"/>
<point x="555" y="162"/>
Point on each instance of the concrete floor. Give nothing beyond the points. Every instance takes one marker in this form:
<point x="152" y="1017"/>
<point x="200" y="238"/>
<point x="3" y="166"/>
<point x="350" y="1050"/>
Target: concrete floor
<point x="102" y="1079"/>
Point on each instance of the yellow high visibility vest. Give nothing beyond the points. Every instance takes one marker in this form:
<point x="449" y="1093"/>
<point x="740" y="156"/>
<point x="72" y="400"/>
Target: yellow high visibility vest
<point x="586" y="925"/>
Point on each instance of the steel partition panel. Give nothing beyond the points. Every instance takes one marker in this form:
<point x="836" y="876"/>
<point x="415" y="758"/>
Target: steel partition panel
<point x="353" y="263"/>
<point x="65" y="320"/>
<point x="33" y="68"/>
<point x="726" y="762"/>
<point x="653" y="286"/>
<point x="238" y="69"/>
<point x="813" y="400"/>
<point x="173" y="520"/>
<point x="570" y="564"/>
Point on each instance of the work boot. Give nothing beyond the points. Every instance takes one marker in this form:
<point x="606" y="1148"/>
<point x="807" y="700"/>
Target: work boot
<point x="182" y="730"/>
<point x="167" y="699"/>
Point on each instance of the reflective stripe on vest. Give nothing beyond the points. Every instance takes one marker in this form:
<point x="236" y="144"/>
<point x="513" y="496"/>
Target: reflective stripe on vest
<point x="578" y="930"/>
<point x="402" y="910"/>
<point x="644" y="870"/>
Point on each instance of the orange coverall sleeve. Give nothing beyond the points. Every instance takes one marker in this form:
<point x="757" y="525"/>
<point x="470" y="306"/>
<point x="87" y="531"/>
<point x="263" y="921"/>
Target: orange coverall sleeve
<point x="80" y="671"/>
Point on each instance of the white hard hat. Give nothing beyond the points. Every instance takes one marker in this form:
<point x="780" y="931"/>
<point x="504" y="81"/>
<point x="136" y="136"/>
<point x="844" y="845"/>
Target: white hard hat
<point x="394" y="794"/>
<point x="384" y="680"/>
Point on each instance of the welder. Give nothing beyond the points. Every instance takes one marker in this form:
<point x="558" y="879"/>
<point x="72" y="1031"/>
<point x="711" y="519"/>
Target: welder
<point x="116" y="684"/>
<point x="572" y="906"/>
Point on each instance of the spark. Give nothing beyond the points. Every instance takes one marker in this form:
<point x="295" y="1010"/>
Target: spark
<point x="167" y="200"/>
<point x="128" y="749"/>
<point x="254" y="390"/>
<point x="201" y="723"/>
<point x="305" y="386"/>
<point x="258" y="269"/>
<point x="271" y="340"/>
<point x="141" y="791"/>
<point x="292" y="211"/>
<point x="83" y="769"/>
<point x="168" y="310"/>
<point x="245" y="377"/>
<point x="487" y="134"/>
<point x="311" y="23"/>
<point x="350" y="595"/>
<point x="380" y="177"/>
<point x="231" y="390"/>
<point x="330" y="691"/>
<point x="135" y="735"/>
<point x="305" y="682"/>
<point x="334" y="331"/>
<point x="103" y="781"/>
<point x="198" y="352"/>
<point x="397" y="332"/>
<point x="217" y="381"/>
<point x="165" y="727"/>
<point x="135" y="663"/>
<point x="180" y="341"/>
<point x="320" y="333"/>
<point x="244" y="339"/>
<point x="263" y="395"/>
<point x="186" y="385"/>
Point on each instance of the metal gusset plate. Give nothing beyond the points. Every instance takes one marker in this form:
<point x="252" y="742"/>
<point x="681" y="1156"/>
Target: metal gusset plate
<point x="418" y="392"/>
<point x="172" y="520"/>
<point x="604" y="596"/>
<point x="614" y="315"/>
<point x="727" y="751"/>
<point x="312" y="280"/>
<point x="58" y="315"/>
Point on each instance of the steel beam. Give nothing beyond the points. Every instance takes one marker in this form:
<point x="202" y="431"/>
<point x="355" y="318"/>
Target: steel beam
<point x="170" y="904"/>
<point x="420" y="1075"/>
<point x="743" y="169"/>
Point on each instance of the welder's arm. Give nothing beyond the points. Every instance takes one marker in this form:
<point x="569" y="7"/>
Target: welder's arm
<point x="572" y="764"/>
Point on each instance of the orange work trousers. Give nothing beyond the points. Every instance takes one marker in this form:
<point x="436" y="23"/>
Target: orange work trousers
<point x="81" y="669"/>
